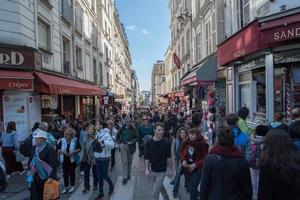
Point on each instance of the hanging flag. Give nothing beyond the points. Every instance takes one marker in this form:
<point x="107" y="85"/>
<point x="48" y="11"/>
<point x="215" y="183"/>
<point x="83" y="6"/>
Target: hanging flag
<point x="176" y="60"/>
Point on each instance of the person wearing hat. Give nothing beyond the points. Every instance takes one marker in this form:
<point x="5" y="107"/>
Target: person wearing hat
<point x="43" y="165"/>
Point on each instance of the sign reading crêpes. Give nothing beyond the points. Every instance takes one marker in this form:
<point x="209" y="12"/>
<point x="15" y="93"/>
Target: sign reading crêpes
<point x="19" y="57"/>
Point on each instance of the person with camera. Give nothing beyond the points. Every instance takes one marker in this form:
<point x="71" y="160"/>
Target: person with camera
<point x="102" y="152"/>
<point x="192" y="153"/>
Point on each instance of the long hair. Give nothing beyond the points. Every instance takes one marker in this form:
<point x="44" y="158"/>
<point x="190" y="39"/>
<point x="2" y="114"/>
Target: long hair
<point x="11" y="126"/>
<point x="281" y="154"/>
<point x="181" y="129"/>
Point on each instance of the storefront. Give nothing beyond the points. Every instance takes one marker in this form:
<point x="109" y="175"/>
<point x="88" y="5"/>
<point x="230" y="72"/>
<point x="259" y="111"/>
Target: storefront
<point x="61" y="95"/>
<point x="263" y="61"/>
<point x="199" y="82"/>
<point x="19" y="102"/>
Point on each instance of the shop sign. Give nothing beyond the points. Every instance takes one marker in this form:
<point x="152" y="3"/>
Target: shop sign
<point x="22" y="84"/>
<point x="19" y="58"/>
<point x="282" y="33"/>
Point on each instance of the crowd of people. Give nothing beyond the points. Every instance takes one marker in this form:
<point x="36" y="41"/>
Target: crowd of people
<point x="217" y="161"/>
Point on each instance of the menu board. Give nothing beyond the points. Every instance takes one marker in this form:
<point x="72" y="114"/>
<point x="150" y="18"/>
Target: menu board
<point x="15" y="108"/>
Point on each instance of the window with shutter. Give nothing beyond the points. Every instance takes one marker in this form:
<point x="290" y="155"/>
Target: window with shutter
<point x="246" y="12"/>
<point x="78" y="18"/>
<point x="66" y="10"/>
<point x="182" y="46"/>
<point x="44" y="35"/>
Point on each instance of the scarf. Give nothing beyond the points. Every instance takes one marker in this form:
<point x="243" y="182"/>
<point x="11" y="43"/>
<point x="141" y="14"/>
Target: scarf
<point x="231" y="152"/>
<point x="37" y="165"/>
<point x="72" y="148"/>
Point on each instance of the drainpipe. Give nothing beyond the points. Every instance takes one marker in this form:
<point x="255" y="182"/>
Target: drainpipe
<point x="36" y="25"/>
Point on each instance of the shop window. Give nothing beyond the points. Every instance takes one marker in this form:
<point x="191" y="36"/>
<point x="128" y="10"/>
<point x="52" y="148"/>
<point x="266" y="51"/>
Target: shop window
<point x="245" y="95"/>
<point x="50" y="107"/>
<point x="279" y="88"/>
<point x="260" y="78"/>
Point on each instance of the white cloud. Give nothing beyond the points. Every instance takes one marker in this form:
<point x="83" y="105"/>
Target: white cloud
<point x="144" y="31"/>
<point x="132" y="27"/>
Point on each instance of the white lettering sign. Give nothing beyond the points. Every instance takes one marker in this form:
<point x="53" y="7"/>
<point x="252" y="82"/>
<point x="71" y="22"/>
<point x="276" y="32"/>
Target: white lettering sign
<point x="15" y="58"/>
<point x="287" y="34"/>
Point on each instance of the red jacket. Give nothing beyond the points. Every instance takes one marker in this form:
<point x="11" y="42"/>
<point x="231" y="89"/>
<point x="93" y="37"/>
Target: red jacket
<point x="200" y="151"/>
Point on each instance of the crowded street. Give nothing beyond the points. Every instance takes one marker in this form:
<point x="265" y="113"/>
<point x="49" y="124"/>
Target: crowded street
<point x="150" y="100"/>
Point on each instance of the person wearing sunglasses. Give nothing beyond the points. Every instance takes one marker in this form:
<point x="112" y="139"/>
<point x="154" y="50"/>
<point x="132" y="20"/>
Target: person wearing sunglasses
<point x="145" y="129"/>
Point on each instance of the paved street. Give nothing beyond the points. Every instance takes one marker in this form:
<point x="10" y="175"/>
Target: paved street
<point x="138" y="188"/>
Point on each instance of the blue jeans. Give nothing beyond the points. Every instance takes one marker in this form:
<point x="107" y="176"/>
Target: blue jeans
<point x="86" y="170"/>
<point x="177" y="177"/>
<point x="102" y="169"/>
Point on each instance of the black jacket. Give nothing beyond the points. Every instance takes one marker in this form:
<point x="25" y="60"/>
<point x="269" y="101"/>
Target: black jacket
<point x="225" y="175"/>
<point x="272" y="188"/>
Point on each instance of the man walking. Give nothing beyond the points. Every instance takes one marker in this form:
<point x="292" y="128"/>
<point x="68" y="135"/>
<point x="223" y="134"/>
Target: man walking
<point x="144" y="129"/>
<point x="158" y="161"/>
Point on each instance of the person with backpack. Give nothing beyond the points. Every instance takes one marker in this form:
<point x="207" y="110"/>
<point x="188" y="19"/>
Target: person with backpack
<point x="225" y="173"/>
<point x="192" y="153"/>
<point x="253" y="153"/>
<point x="68" y="149"/>
<point x="182" y="135"/>
<point x="241" y="139"/>
<point x="102" y="152"/>
<point x="88" y="161"/>
<point x="9" y="146"/>
<point x="279" y="176"/>
<point x="158" y="161"/>
<point x="127" y="138"/>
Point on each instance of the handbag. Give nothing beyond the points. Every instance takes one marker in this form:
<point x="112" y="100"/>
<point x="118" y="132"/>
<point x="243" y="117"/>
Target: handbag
<point x="85" y="157"/>
<point x="51" y="190"/>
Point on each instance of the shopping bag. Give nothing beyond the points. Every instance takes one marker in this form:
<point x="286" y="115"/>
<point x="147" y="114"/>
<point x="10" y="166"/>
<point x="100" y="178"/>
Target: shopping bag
<point x="51" y="190"/>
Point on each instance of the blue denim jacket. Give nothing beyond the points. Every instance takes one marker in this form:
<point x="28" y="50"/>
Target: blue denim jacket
<point x="9" y="139"/>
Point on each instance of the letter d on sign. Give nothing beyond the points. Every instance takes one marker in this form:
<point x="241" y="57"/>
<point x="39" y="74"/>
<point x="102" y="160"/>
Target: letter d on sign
<point x="14" y="56"/>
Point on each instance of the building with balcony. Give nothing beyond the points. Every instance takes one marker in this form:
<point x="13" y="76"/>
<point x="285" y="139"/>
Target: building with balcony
<point x="57" y="59"/>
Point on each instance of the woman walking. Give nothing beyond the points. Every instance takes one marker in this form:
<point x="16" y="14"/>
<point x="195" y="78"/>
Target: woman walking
<point x="43" y="165"/>
<point x="68" y="148"/>
<point x="9" y="146"/>
<point x="88" y="161"/>
<point x="192" y="153"/>
<point x="182" y="134"/>
<point x="102" y="155"/>
<point x="279" y="176"/>
<point x="225" y="173"/>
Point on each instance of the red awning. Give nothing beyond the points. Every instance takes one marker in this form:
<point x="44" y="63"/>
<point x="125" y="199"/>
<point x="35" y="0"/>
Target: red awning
<point x="243" y="43"/>
<point x="281" y="29"/>
<point x="19" y="80"/>
<point x="50" y="84"/>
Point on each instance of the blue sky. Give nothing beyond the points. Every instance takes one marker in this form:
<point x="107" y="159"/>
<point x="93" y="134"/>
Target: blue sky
<point x="147" y="28"/>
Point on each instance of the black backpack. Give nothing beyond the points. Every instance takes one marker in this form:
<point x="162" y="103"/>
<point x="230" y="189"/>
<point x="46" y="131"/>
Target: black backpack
<point x="26" y="146"/>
